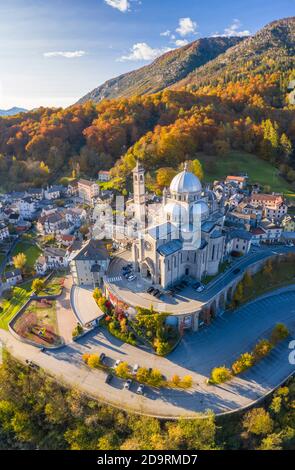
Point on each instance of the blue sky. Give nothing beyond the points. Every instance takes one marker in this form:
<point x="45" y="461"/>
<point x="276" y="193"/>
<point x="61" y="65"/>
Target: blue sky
<point x="54" y="51"/>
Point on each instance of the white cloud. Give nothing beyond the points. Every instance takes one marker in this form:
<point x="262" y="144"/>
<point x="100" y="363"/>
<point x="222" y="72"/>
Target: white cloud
<point x="181" y="42"/>
<point x="166" y="33"/>
<point x="186" y="26"/>
<point x="233" y="30"/>
<point x="143" y="52"/>
<point x="66" y="54"/>
<point x="122" y="5"/>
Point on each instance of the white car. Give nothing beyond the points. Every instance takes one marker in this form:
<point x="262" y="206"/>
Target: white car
<point x="131" y="278"/>
<point x="201" y="288"/>
<point x="127" y="384"/>
<point x="135" y="368"/>
<point x="140" y="389"/>
<point x="118" y="361"/>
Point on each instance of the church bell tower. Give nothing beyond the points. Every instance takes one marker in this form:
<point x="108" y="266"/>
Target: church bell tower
<point x="139" y="193"/>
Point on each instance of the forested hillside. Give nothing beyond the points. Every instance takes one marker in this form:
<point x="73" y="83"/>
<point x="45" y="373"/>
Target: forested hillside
<point x="248" y="111"/>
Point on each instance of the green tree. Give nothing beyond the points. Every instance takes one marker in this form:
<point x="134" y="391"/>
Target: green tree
<point x="285" y="146"/>
<point x="258" y="421"/>
<point x="38" y="285"/>
<point x="19" y="261"/>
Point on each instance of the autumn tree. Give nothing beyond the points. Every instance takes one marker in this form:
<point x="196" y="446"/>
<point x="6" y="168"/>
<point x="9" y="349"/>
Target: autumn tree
<point x="220" y="375"/>
<point x="38" y="285"/>
<point x="165" y="176"/>
<point x="19" y="261"/>
<point x="258" y="421"/>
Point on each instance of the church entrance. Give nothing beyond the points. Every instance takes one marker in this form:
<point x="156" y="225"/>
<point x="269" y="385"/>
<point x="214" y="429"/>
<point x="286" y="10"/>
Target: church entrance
<point x="146" y="272"/>
<point x="187" y="271"/>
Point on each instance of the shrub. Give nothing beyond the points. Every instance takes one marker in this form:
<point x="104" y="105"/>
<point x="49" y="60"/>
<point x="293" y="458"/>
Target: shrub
<point x="220" y="375"/>
<point x="156" y="378"/>
<point x="85" y="357"/>
<point x="38" y="285"/>
<point x="122" y="370"/>
<point x="162" y="347"/>
<point x="142" y="375"/>
<point x="186" y="382"/>
<point x="78" y="330"/>
<point x="262" y="349"/>
<point x="93" y="361"/>
<point x="243" y="363"/>
<point x="175" y="380"/>
<point x="279" y="333"/>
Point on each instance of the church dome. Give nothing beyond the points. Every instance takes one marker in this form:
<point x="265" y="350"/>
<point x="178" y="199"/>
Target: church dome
<point x="200" y="209"/>
<point x="185" y="183"/>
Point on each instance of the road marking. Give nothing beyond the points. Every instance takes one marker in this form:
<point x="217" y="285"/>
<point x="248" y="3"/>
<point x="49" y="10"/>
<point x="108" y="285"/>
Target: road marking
<point x="115" y="279"/>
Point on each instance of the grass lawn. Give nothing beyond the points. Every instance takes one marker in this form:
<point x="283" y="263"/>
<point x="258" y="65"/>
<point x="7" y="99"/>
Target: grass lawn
<point x="259" y="171"/>
<point x="31" y="251"/>
<point x="10" y="307"/>
<point x="282" y="274"/>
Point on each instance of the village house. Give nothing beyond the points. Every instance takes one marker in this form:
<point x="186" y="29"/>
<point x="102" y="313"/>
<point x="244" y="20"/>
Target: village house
<point x="4" y="231"/>
<point x="87" y="190"/>
<point x="240" y="181"/>
<point x="89" y="264"/>
<point x="104" y="176"/>
<point x="52" y="193"/>
<point x="288" y="223"/>
<point x="239" y="241"/>
<point x="272" y="229"/>
<point x="259" y="235"/>
<point x="274" y="206"/>
<point x="52" y="258"/>
<point x="13" y="277"/>
<point x="27" y="208"/>
<point x="35" y="193"/>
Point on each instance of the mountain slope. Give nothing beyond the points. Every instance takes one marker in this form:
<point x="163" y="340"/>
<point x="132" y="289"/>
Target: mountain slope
<point x="12" y="111"/>
<point x="164" y="71"/>
<point x="270" y="49"/>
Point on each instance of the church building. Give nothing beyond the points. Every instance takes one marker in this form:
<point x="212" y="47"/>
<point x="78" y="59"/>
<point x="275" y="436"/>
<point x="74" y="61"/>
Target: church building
<point x="189" y="241"/>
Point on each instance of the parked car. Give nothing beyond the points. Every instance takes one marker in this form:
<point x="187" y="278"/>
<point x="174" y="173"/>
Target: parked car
<point x="150" y="290"/>
<point x="140" y="389"/>
<point x="156" y="292"/>
<point x="127" y="384"/>
<point x="237" y="271"/>
<point x="135" y="368"/>
<point x="102" y="357"/>
<point x="126" y="269"/>
<point x="198" y="286"/>
<point x="118" y="361"/>
<point x="109" y="378"/>
<point x="131" y="278"/>
<point x="32" y="364"/>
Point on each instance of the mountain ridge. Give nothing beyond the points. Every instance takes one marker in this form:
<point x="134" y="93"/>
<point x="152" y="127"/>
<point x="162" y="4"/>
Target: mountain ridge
<point x="206" y="61"/>
<point x="12" y="111"/>
<point x="163" y="71"/>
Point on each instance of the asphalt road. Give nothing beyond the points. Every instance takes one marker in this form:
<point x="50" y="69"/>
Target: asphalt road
<point x="188" y="300"/>
<point x="198" y="353"/>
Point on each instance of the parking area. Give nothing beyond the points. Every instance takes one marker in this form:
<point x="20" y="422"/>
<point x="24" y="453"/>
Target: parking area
<point x="137" y="291"/>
